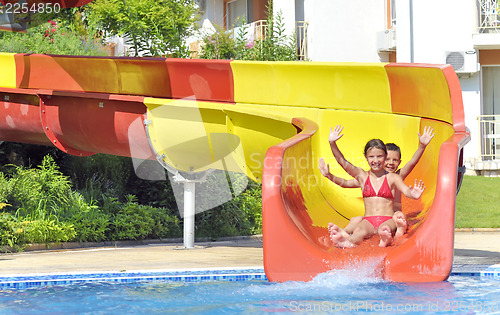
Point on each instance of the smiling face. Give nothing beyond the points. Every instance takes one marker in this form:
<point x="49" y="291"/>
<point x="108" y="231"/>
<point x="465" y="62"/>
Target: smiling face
<point x="376" y="159"/>
<point x="392" y="161"/>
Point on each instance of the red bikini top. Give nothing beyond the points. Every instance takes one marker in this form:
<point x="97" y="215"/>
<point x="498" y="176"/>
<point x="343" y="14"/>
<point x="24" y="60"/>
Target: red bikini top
<point x="384" y="191"/>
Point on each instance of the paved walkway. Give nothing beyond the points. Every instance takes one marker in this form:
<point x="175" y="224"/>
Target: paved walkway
<point x="471" y="248"/>
<point x="156" y="256"/>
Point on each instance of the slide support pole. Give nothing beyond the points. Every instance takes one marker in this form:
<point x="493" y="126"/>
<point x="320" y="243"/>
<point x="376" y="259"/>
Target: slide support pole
<point x="189" y="211"/>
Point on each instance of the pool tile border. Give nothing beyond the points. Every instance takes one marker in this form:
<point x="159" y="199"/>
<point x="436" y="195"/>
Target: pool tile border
<point x="26" y="281"/>
<point x="19" y="282"/>
<point x="487" y="271"/>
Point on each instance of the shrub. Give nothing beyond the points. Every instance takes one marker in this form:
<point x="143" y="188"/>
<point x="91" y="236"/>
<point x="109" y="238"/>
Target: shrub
<point x="219" y="45"/>
<point x="8" y="233"/>
<point x="51" y="38"/>
<point x="32" y="191"/>
<point x="240" y="216"/>
<point x="136" y="222"/>
<point x="274" y="46"/>
<point x="98" y="175"/>
<point x="17" y="233"/>
<point x="43" y="231"/>
<point x="40" y="206"/>
<point x="91" y="224"/>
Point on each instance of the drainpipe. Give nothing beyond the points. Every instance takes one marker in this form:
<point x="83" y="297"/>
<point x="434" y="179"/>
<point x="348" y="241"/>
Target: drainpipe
<point x="412" y="53"/>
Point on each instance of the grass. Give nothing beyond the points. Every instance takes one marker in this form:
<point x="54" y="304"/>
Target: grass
<point x="478" y="203"/>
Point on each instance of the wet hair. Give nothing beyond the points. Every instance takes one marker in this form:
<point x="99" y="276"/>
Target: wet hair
<point x="393" y="147"/>
<point x="375" y="143"/>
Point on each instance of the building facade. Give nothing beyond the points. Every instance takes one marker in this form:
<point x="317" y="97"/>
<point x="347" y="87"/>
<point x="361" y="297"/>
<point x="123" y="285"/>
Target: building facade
<point x="463" y="33"/>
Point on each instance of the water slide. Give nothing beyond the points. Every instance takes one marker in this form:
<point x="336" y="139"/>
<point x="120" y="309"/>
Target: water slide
<point x="270" y="121"/>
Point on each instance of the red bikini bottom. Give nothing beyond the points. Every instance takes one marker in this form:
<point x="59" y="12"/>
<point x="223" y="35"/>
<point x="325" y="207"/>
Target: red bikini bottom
<point x="376" y="220"/>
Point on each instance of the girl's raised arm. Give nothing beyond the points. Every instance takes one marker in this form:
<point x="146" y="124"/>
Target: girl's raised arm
<point x="344" y="183"/>
<point x="424" y="139"/>
<point x="336" y="134"/>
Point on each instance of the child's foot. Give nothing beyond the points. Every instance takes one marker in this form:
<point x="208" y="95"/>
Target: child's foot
<point x="337" y="237"/>
<point x="401" y="224"/>
<point x="334" y="231"/>
<point x="385" y="236"/>
<point x="326" y="241"/>
<point x="338" y="229"/>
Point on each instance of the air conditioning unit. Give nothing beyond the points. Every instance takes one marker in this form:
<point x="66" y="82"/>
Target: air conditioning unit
<point x="462" y="61"/>
<point x="386" y="40"/>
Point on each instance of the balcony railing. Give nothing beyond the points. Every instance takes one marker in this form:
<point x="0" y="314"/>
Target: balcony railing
<point x="301" y="33"/>
<point x="489" y="126"/>
<point x="259" y="29"/>
<point x="489" y="17"/>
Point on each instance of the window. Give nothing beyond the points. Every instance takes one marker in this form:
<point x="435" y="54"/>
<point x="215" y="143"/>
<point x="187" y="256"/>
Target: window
<point x="236" y="13"/>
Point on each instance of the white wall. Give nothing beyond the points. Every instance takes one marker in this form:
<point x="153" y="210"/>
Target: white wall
<point x="472" y="108"/>
<point x="287" y="9"/>
<point x="344" y="31"/>
<point x="403" y="38"/>
<point x="438" y="26"/>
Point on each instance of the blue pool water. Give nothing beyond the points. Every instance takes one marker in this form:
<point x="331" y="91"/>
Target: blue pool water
<point x="241" y="291"/>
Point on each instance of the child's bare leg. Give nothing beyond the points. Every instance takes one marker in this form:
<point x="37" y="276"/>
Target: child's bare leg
<point x="363" y="230"/>
<point x="401" y="225"/>
<point x="352" y="224"/>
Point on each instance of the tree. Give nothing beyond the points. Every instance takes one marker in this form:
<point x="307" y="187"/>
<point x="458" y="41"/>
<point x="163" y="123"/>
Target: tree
<point x="155" y="27"/>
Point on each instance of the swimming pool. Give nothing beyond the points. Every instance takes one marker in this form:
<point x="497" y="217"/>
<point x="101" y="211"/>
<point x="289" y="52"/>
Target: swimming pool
<point x="246" y="290"/>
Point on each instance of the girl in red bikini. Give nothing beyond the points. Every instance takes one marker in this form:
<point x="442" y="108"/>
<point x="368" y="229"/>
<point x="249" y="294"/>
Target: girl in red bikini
<point x="379" y="188"/>
<point x="392" y="163"/>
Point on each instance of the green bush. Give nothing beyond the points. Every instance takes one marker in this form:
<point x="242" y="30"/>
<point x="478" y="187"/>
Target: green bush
<point x="91" y="224"/>
<point x="17" y="233"/>
<point x="8" y="233"/>
<point x="220" y="45"/>
<point x="38" y="190"/>
<point x="166" y="225"/>
<point x="241" y="215"/>
<point x="98" y="175"/>
<point x="43" y="231"/>
<point x="5" y="190"/>
<point x="51" y="38"/>
<point x="132" y="222"/>
<point x="40" y="205"/>
<point x="136" y="222"/>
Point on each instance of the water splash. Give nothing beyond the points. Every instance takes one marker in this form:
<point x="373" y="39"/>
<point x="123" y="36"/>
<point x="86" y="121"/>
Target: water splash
<point x="356" y="272"/>
<point x="357" y="277"/>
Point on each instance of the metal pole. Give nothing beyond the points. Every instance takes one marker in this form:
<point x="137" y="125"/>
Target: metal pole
<point x="189" y="206"/>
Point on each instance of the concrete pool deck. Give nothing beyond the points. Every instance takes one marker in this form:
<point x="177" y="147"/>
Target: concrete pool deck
<point x="472" y="248"/>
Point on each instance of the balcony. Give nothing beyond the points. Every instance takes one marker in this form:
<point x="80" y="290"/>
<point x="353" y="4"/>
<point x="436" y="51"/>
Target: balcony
<point x="489" y="125"/>
<point x="489" y="162"/>
<point x="488" y="31"/>
<point x="489" y="18"/>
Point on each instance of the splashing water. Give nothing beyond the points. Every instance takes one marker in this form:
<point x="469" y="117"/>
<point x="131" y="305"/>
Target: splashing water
<point x="340" y="291"/>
